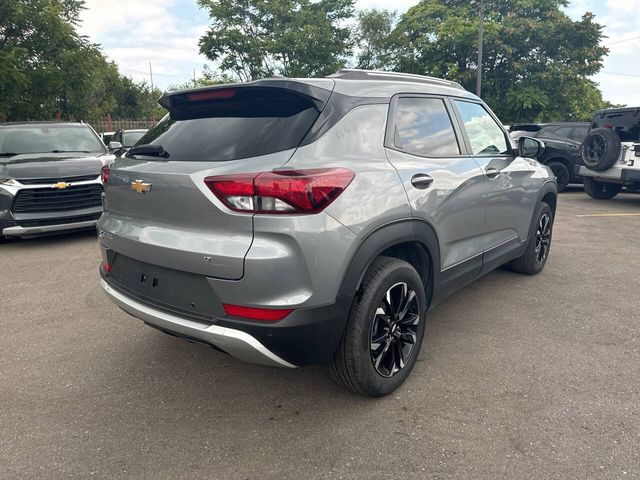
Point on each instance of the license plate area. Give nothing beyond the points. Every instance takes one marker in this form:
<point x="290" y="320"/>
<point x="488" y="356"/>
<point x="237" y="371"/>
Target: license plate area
<point x="177" y="292"/>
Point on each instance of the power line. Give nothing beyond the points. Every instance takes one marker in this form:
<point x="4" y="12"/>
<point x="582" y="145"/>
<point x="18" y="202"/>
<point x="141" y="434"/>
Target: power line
<point x="621" y="74"/>
<point x="637" y="37"/>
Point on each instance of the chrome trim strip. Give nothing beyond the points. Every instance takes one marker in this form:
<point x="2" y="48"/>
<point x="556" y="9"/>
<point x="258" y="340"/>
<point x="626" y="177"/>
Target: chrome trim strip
<point x="235" y="342"/>
<point x="19" y="231"/>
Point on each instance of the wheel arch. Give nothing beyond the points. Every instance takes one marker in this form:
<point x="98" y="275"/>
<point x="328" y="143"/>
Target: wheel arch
<point x="414" y="241"/>
<point x="548" y="194"/>
<point x="566" y="161"/>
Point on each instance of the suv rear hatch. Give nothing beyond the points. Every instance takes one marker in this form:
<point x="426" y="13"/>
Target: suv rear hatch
<point x="158" y="208"/>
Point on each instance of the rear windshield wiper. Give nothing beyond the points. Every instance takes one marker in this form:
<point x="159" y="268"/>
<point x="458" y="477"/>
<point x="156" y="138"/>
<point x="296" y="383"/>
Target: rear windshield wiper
<point x="8" y="154"/>
<point x="148" y="150"/>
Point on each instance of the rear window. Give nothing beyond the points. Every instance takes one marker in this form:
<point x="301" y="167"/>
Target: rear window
<point x="249" y="123"/>
<point x="423" y="127"/>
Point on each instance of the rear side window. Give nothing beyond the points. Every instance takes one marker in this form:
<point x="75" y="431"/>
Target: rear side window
<point x="579" y="133"/>
<point x="486" y="137"/>
<point x="423" y="127"/>
<point x="563" y="131"/>
<point x="245" y="122"/>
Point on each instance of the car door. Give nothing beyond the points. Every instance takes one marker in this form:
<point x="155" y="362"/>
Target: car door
<point x="511" y="190"/>
<point x="444" y="185"/>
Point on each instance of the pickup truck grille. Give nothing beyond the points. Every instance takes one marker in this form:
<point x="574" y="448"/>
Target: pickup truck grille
<point x="54" y="200"/>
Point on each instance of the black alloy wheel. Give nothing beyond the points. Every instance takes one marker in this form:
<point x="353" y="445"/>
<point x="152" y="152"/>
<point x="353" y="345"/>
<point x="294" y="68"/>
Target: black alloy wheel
<point x="543" y="238"/>
<point x="394" y="329"/>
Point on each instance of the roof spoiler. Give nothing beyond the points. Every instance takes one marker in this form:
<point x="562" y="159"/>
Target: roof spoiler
<point x="318" y="94"/>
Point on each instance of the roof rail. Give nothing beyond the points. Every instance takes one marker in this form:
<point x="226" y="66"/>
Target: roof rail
<point x="359" y="74"/>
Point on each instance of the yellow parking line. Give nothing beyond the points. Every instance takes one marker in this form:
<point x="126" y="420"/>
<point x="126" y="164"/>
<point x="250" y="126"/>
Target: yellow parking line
<point x="610" y="215"/>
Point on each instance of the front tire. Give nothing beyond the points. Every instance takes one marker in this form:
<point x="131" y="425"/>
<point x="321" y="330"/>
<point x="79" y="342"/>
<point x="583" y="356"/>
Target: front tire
<point x="561" y="172"/>
<point x="601" y="190"/>
<point x="534" y="258"/>
<point x="384" y="332"/>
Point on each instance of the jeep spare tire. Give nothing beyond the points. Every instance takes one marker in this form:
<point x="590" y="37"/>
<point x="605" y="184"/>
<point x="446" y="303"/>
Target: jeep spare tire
<point x="600" y="149"/>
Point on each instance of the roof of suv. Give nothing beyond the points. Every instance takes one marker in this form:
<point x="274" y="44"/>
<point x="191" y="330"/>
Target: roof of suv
<point x="352" y="82"/>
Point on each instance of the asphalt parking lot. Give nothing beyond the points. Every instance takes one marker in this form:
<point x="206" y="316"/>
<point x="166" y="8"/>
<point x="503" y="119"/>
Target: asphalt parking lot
<point x="519" y="377"/>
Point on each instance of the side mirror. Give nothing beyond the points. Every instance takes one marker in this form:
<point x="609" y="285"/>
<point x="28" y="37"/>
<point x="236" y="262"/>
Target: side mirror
<point x="530" y="147"/>
<point x="115" y="147"/>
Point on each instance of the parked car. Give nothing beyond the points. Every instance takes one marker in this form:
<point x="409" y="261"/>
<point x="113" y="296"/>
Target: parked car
<point x="576" y="131"/>
<point x="299" y="221"/>
<point x="562" y="147"/>
<point x="611" y="153"/>
<point x="49" y="177"/>
<point x="122" y="140"/>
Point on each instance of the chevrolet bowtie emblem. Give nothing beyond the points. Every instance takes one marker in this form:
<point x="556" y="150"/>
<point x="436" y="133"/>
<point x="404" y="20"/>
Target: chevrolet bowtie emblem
<point x="140" y="187"/>
<point x="61" y="185"/>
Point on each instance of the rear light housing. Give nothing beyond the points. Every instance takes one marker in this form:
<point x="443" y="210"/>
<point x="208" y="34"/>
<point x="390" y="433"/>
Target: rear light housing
<point x="105" y="173"/>
<point x="263" y="314"/>
<point x="282" y="191"/>
<point x="216" y="94"/>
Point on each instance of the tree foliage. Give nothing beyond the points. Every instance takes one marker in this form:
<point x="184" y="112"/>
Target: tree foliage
<point x="48" y="69"/>
<point x="536" y="59"/>
<point x="373" y="38"/>
<point x="295" y="38"/>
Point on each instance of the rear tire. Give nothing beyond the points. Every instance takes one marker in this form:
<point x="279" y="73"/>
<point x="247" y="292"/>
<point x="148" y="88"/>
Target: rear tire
<point x="380" y="344"/>
<point x="601" y="190"/>
<point x="561" y="173"/>
<point x="534" y="258"/>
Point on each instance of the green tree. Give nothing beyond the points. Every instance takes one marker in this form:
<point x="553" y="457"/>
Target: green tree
<point x="47" y="68"/>
<point x="374" y="38"/>
<point x="296" y="38"/>
<point x="536" y="59"/>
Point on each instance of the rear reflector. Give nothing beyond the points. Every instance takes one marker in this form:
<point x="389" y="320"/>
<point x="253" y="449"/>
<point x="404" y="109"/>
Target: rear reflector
<point x="282" y="191"/>
<point x="265" y="314"/>
<point x="106" y="266"/>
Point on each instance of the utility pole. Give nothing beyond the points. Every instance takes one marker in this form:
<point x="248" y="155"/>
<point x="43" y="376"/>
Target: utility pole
<point x="151" y="96"/>
<point x="480" y="42"/>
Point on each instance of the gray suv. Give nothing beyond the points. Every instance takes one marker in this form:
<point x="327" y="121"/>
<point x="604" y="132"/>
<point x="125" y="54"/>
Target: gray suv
<point x="299" y="221"/>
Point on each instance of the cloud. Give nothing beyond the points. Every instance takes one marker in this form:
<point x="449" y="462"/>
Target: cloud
<point x="148" y="31"/>
<point x="166" y="33"/>
<point x="619" y="79"/>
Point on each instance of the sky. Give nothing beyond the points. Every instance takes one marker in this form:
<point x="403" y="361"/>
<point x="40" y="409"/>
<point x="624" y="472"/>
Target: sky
<point x="165" y="33"/>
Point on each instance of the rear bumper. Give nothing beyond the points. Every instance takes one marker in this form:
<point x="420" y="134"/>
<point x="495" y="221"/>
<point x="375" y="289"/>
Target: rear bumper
<point x="616" y="173"/>
<point x="234" y="342"/>
<point x="307" y="336"/>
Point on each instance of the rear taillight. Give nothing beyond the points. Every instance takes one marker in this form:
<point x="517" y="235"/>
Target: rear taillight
<point x="283" y="191"/>
<point x="264" y="314"/>
<point x="105" y="173"/>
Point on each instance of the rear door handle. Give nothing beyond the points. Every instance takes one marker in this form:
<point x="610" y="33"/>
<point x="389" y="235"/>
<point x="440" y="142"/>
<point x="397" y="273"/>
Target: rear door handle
<point x="492" y="172"/>
<point x="421" y="181"/>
